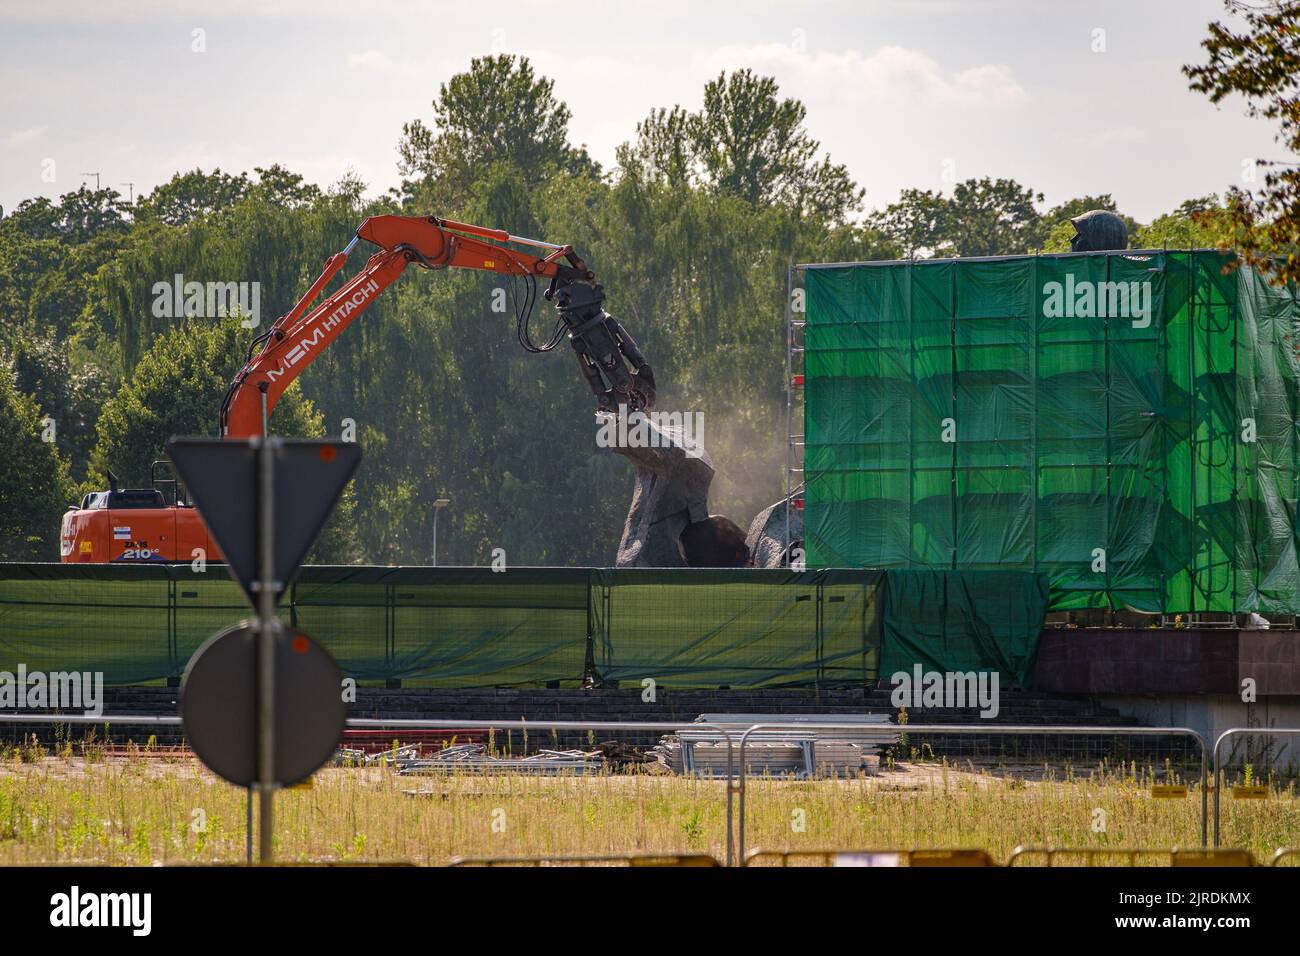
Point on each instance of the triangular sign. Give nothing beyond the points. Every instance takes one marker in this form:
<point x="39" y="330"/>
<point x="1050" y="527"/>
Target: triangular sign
<point x="223" y="480"/>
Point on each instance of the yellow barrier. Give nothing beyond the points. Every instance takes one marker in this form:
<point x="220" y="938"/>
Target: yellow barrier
<point x="885" y="858"/>
<point x="1090" y="856"/>
<point x="625" y="859"/>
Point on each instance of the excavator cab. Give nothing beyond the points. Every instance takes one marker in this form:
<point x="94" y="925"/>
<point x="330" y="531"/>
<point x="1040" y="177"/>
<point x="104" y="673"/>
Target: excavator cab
<point x="133" y="525"/>
<point x="162" y="478"/>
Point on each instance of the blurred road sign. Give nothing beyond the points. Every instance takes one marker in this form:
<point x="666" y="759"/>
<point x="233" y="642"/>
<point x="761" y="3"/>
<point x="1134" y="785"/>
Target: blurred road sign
<point x="222" y="478"/>
<point x="218" y="705"/>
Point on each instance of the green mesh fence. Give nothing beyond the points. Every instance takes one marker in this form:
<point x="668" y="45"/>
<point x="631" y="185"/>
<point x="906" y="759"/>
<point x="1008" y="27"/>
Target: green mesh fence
<point x="470" y="627"/>
<point x="449" y="627"/>
<point x="1140" y="450"/>
<point x="747" y="628"/>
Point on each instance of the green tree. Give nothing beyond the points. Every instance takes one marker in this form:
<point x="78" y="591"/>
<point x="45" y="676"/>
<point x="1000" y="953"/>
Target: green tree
<point x="279" y="187"/>
<point x="982" y="217"/>
<point x="747" y="142"/>
<point x="64" y="294"/>
<point x="1262" y="63"/>
<point x="24" y="263"/>
<point x="916" y="223"/>
<point x="497" y="111"/>
<point x="49" y="254"/>
<point x="77" y="217"/>
<point x="987" y="217"/>
<point x="189" y="196"/>
<point x="1195" y="224"/>
<point x="71" y="396"/>
<point x="34" y="485"/>
<point x="753" y="145"/>
<point x="278" y="236"/>
<point x="664" y="148"/>
<point x="87" y="213"/>
<point x="38" y="218"/>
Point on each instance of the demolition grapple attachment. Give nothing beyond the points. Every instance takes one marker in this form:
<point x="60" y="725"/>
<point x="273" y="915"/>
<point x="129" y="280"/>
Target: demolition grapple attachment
<point x="616" y="371"/>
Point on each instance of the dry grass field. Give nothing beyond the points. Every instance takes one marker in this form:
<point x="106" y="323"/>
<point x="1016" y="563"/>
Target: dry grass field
<point x="143" y="809"/>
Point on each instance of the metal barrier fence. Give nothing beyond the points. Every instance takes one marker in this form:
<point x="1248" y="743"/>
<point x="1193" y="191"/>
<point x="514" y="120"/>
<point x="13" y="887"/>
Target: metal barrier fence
<point x="737" y="773"/>
<point x="959" y="729"/>
<point x="1218" y="767"/>
<point x="421" y="724"/>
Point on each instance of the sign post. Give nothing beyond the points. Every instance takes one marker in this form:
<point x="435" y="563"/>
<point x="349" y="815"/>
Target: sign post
<point x="264" y="501"/>
<point x="268" y="630"/>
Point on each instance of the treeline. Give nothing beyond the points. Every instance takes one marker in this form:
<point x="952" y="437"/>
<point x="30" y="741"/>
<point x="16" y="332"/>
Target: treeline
<point x="691" y="232"/>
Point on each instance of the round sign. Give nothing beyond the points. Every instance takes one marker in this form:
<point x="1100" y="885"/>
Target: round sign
<point x="219" y="705"/>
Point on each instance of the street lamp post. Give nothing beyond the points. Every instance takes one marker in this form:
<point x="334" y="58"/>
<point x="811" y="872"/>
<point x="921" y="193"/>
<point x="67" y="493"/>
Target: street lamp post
<point x="438" y="505"/>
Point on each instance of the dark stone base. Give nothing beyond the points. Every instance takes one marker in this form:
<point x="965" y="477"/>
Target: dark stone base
<point x="1167" y="661"/>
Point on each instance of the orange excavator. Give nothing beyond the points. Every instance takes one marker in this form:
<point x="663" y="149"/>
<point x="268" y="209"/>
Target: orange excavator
<point x="143" y="524"/>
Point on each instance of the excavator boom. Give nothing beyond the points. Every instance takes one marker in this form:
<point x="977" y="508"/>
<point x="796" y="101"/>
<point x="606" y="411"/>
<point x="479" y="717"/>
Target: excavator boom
<point x="126" y="525"/>
<point x="605" y="350"/>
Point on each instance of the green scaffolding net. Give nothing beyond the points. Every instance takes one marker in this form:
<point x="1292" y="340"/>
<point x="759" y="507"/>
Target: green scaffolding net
<point x="963" y="621"/>
<point x="1124" y="423"/>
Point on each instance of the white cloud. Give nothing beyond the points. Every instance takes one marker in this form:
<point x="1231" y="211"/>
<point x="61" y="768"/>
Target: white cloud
<point x="1116" y="136"/>
<point x="81" y="12"/>
<point x="372" y="60"/>
<point x="890" y="74"/>
<point x="25" y="137"/>
<point x="379" y="63"/>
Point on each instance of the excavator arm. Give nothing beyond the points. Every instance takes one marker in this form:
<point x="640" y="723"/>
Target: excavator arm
<point x="611" y="363"/>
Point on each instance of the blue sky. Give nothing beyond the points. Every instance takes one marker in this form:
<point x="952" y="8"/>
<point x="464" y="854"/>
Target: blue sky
<point x="907" y="93"/>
